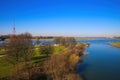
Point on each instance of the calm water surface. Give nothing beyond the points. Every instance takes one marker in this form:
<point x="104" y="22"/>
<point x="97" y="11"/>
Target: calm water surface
<point x="102" y="61"/>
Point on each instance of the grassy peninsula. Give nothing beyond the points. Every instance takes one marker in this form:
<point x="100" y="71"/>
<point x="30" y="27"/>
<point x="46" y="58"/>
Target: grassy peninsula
<point x="116" y="44"/>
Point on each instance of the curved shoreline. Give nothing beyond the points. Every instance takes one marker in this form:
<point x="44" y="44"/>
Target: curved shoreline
<point x="115" y="44"/>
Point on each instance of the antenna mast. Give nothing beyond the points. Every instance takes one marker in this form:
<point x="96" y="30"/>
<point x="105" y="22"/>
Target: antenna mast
<point x="14" y="30"/>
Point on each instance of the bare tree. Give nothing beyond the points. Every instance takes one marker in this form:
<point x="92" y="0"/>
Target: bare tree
<point x="20" y="48"/>
<point x="46" y="48"/>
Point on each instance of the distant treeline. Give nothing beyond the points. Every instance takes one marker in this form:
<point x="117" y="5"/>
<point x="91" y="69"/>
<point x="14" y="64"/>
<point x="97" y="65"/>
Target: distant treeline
<point x="3" y="37"/>
<point x="43" y="37"/>
<point x="117" y="37"/>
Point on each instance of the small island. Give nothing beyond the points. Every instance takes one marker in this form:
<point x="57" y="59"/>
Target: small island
<point x="116" y="44"/>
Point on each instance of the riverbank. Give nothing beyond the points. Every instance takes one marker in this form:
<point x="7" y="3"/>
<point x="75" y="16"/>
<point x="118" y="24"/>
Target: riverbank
<point x="115" y="44"/>
<point x="83" y="38"/>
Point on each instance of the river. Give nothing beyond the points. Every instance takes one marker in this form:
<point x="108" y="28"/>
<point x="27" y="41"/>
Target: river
<point x="102" y="61"/>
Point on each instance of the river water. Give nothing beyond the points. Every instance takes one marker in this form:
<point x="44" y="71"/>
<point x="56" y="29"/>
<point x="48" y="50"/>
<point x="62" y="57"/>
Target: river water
<point x="102" y="61"/>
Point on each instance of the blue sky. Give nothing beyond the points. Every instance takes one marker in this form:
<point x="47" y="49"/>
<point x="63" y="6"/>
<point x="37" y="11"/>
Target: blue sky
<point x="82" y="18"/>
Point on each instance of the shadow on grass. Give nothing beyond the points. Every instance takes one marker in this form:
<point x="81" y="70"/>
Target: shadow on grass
<point x="39" y="59"/>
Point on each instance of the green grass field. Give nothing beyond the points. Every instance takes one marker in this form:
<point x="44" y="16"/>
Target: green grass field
<point x="116" y="44"/>
<point x="6" y="63"/>
<point x="82" y="38"/>
<point x="5" y="66"/>
<point x="2" y="51"/>
<point x="57" y="49"/>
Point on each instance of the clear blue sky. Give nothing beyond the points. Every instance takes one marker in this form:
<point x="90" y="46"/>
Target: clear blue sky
<point x="61" y="17"/>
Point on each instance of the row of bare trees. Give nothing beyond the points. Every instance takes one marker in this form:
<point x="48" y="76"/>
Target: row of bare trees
<point x="65" y="41"/>
<point x="63" y="66"/>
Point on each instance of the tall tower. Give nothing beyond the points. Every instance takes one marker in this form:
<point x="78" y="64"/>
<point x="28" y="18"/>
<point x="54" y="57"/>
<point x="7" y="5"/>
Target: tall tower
<point x="14" y="30"/>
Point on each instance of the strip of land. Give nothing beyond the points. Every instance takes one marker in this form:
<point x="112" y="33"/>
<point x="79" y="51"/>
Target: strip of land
<point x="116" y="44"/>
